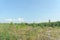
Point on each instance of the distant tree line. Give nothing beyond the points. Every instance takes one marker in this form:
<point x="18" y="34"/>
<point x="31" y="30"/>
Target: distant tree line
<point x="45" y="24"/>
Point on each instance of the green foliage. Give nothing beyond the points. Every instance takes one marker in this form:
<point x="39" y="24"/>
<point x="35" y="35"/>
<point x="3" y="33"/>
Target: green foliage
<point x="32" y="31"/>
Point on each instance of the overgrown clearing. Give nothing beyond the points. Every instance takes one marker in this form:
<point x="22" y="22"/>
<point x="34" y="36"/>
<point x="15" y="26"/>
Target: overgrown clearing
<point x="33" y="31"/>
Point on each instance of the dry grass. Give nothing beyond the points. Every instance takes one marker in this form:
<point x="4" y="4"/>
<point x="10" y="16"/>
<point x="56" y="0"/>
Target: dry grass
<point x="29" y="33"/>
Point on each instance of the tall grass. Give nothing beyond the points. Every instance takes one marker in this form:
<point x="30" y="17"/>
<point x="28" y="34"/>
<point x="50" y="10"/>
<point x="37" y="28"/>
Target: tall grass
<point x="11" y="31"/>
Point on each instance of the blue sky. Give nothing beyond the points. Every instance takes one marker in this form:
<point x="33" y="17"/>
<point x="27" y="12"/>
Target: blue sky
<point x="30" y="10"/>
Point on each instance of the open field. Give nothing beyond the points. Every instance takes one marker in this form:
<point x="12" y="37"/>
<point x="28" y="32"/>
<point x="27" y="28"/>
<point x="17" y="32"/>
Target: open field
<point x="26" y="32"/>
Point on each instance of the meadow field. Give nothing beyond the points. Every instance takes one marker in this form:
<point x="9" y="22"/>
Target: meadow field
<point x="24" y="31"/>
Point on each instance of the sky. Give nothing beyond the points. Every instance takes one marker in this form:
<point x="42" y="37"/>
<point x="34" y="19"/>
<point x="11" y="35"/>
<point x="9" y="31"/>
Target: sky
<point x="29" y="10"/>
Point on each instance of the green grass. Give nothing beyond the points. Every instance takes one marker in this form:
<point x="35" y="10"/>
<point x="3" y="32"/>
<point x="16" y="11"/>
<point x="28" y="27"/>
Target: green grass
<point x="26" y="32"/>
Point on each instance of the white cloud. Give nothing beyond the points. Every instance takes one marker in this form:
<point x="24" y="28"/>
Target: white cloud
<point x="17" y="20"/>
<point x="20" y="19"/>
<point x="8" y="20"/>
